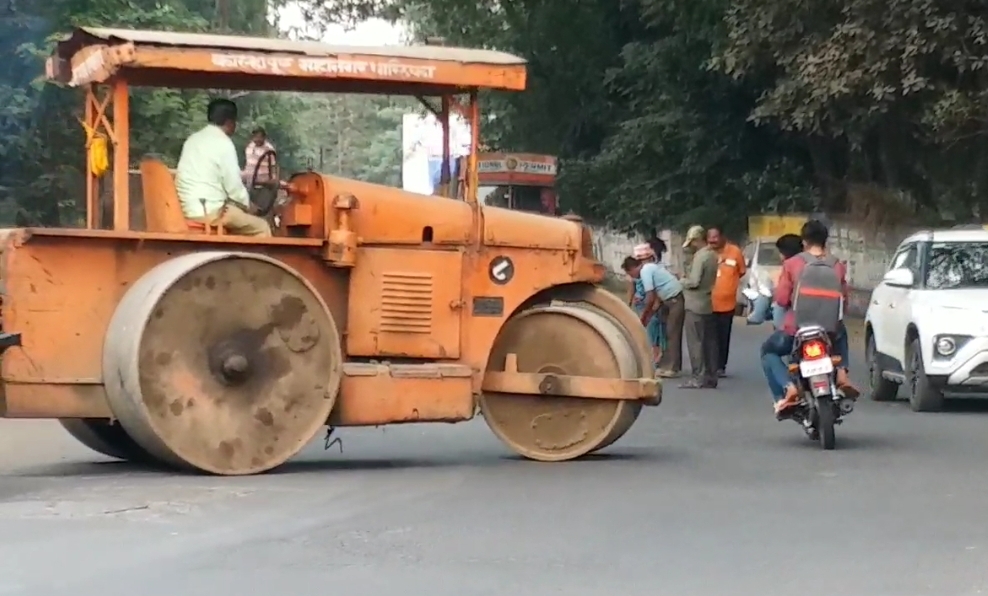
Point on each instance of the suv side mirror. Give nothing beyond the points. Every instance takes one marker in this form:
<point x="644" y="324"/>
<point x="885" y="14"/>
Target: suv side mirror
<point x="900" y="278"/>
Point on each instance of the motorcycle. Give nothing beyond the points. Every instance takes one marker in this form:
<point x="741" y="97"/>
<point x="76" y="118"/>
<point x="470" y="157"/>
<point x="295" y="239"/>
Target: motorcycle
<point x="822" y="405"/>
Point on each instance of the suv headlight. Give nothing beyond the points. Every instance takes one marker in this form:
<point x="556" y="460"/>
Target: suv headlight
<point x="945" y="346"/>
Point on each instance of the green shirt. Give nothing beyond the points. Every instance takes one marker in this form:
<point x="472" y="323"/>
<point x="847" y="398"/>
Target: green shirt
<point x="699" y="283"/>
<point x="209" y="171"/>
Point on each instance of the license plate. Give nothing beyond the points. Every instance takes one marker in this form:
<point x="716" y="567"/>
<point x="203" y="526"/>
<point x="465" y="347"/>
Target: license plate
<point x="820" y="366"/>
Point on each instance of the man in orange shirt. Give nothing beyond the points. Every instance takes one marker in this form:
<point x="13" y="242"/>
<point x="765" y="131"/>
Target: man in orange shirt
<point x="730" y="268"/>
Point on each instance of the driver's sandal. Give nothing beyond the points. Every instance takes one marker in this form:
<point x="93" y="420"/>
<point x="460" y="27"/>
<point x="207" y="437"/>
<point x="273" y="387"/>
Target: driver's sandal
<point x="790" y="400"/>
<point x="845" y="386"/>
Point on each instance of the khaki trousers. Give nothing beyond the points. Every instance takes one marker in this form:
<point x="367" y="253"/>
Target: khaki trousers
<point x="239" y="222"/>
<point x="672" y="356"/>
<point x="701" y="343"/>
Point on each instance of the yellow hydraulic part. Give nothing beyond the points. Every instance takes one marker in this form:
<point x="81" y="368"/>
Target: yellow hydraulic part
<point x="97" y="151"/>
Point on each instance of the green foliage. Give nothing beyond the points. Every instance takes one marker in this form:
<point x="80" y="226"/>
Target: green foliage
<point x="893" y="94"/>
<point x="352" y="136"/>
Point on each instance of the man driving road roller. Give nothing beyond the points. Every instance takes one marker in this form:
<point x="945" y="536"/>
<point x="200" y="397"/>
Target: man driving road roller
<point x="208" y="179"/>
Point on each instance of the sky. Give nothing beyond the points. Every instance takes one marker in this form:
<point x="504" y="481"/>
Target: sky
<point x="370" y="32"/>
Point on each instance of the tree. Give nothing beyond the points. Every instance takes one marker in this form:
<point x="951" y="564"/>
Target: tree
<point x="891" y="94"/>
<point x="680" y="150"/>
<point x="645" y="133"/>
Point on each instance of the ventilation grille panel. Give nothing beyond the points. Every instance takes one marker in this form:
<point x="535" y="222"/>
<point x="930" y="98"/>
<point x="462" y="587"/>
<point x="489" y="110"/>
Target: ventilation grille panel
<point x="406" y="303"/>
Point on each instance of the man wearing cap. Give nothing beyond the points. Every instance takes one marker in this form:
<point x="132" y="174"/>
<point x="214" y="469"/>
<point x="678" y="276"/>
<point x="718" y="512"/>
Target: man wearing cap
<point x="660" y="307"/>
<point x="699" y="325"/>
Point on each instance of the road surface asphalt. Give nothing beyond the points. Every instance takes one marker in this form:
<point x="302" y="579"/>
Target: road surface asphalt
<point x="706" y="496"/>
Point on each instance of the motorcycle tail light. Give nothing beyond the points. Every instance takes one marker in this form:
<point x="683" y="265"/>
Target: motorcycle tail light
<point x="814" y="349"/>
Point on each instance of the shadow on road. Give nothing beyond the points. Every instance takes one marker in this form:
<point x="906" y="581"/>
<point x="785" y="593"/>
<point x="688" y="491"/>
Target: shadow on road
<point x="851" y="441"/>
<point x="623" y="455"/>
<point x="965" y="405"/>
<point x="343" y="464"/>
<point x="97" y="468"/>
<point x="121" y="468"/>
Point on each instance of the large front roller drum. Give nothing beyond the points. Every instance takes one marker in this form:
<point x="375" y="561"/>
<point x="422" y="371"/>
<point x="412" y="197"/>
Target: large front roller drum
<point x="621" y="314"/>
<point x="106" y="437"/>
<point x="223" y="362"/>
<point x="567" y="339"/>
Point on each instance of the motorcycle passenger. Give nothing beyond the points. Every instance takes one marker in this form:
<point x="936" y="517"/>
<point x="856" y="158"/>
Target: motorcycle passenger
<point x="785" y="393"/>
<point x="764" y="308"/>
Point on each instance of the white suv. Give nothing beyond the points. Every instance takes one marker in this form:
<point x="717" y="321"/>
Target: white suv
<point x="927" y="325"/>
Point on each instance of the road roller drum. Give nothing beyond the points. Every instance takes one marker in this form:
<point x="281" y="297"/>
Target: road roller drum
<point x="223" y="362"/>
<point x="564" y="339"/>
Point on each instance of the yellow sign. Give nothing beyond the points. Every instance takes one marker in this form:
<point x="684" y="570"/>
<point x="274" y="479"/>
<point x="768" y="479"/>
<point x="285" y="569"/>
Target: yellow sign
<point x="773" y="226"/>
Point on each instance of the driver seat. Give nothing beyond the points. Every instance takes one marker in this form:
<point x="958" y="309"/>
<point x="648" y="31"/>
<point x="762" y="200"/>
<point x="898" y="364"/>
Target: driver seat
<point x="162" y="209"/>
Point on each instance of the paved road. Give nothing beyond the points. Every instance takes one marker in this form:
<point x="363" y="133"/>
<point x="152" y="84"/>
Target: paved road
<point x="707" y="496"/>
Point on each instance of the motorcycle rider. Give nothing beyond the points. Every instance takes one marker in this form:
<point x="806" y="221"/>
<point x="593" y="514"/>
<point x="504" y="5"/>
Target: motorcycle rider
<point x="785" y="393"/>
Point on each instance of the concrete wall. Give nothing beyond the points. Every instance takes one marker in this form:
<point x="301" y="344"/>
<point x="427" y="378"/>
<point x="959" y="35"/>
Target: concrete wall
<point x="611" y="248"/>
<point x="867" y="254"/>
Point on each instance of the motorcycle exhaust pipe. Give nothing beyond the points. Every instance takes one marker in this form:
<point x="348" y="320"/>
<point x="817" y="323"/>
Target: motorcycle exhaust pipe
<point x="846" y="405"/>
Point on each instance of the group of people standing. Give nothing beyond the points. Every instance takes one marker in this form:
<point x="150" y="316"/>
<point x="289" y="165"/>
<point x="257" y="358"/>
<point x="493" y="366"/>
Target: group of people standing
<point x="700" y="304"/>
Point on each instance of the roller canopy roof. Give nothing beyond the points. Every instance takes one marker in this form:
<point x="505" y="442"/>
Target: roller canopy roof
<point x="193" y="60"/>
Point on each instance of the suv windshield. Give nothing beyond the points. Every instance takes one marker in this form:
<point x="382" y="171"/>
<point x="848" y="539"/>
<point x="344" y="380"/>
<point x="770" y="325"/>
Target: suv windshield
<point x="958" y="265"/>
<point x="768" y="255"/>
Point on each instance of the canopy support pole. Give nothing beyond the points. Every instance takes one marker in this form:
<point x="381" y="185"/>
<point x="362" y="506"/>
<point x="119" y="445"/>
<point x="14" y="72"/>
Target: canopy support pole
<point x="472" y="183"/>
<point x="92" y="184"/>
<point x="121" y="155"/>
<point x="95" y="123"/>
<point x="444" y="170"/>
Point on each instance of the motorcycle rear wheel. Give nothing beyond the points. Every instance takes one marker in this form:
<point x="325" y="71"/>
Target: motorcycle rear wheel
<point x="826" y="420"/>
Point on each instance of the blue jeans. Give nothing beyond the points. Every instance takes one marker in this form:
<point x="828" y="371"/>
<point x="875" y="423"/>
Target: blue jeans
<point x="779" y="346"/>
<point x="763" y="309"/>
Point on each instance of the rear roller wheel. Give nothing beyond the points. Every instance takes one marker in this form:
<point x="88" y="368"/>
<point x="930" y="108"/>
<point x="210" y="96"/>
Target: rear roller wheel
<point x="620" y="313"/>
<point x="228" y="363"/>
<point x="106" y="437"/>
<point x="568" y="339"/>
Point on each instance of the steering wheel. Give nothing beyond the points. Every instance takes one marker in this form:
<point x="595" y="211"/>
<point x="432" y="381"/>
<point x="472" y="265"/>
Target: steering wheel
<point x="264" y="195"/>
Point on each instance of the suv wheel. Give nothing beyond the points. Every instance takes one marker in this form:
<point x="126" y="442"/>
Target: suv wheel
<point x="882" y="389"/>
<point x="923" y="395"/>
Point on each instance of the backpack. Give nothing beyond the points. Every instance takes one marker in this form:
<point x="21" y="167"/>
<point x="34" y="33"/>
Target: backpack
<point x="818" y="298"/>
